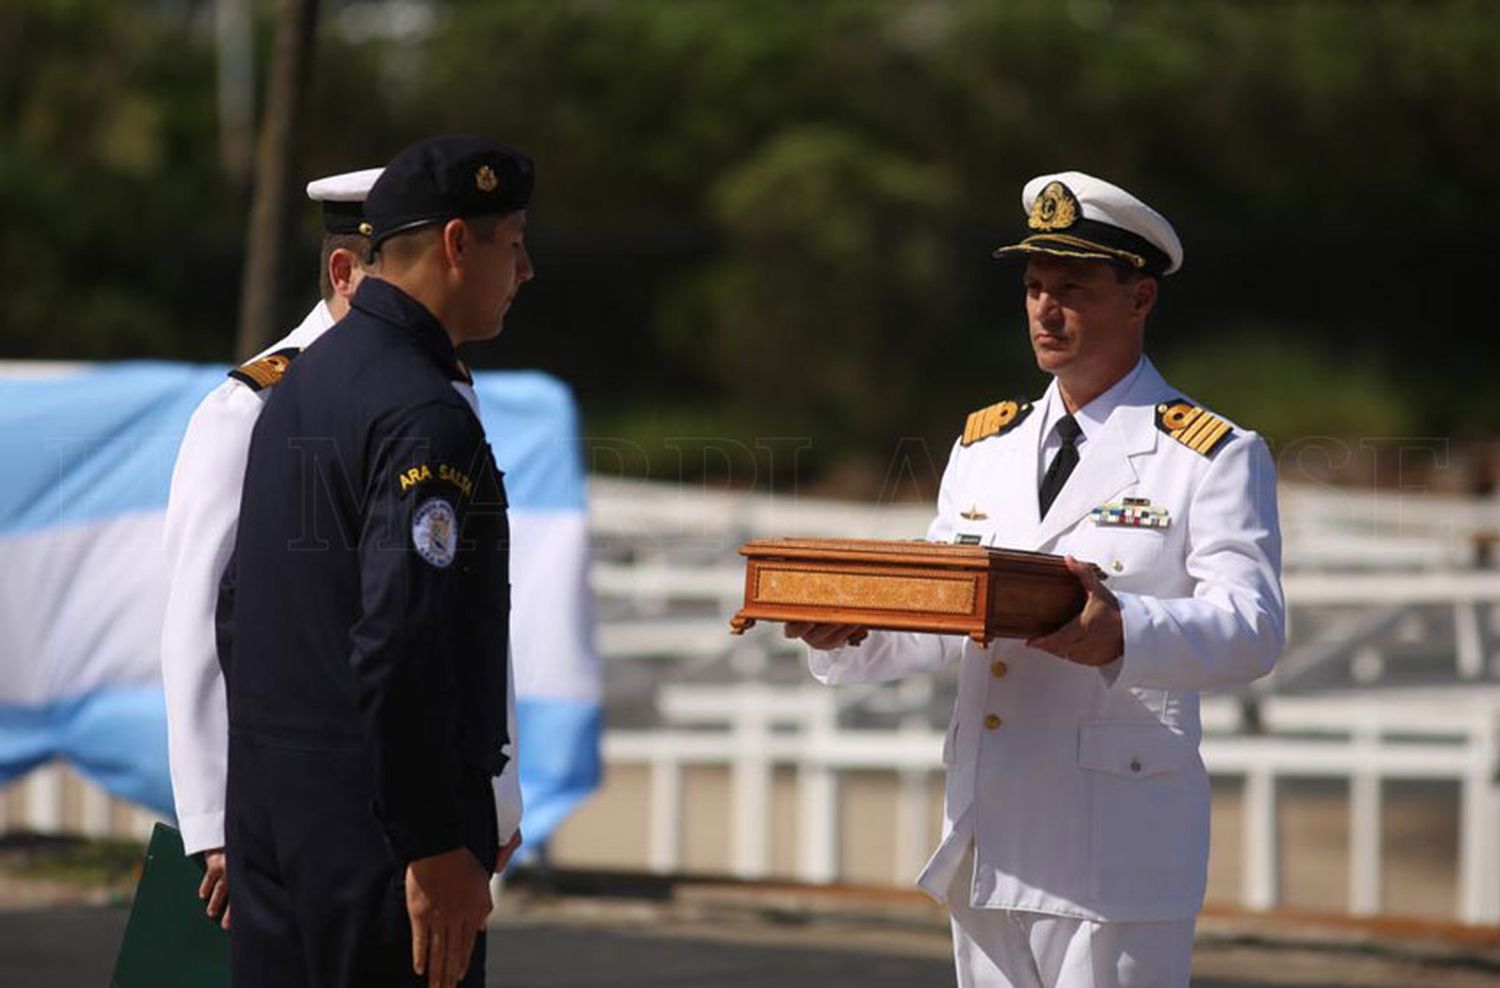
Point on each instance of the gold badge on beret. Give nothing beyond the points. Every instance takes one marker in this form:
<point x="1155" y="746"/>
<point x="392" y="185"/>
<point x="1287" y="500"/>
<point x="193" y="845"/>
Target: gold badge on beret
<point x="1055" y="209"/>
<point x="486" y="179"/>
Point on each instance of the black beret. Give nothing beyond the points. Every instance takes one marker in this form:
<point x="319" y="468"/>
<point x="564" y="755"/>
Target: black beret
<point x="445" y="178"/>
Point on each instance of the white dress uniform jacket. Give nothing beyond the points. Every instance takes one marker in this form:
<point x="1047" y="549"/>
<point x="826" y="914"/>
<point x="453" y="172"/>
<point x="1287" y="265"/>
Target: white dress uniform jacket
<point x="1081" y="789"/>
<point x="203" y="512"/>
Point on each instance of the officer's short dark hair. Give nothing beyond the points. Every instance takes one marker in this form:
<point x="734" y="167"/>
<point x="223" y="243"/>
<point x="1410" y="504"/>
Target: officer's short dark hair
<point x="359" y="246"/>
<point x="402" y="249"/>
<point x="1126" y="274"/>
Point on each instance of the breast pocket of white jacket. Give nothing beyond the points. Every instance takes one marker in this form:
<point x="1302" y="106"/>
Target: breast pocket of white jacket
<point x="1123" y="553"/>
<point x="1149" y="814"/>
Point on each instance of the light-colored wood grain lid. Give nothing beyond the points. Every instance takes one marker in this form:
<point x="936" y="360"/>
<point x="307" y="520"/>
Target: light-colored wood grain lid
<point x="909" y="552"/>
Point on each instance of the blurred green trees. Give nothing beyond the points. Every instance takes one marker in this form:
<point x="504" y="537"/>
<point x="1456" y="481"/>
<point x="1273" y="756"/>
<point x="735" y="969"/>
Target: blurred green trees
<point x="117" y="237"/>
<point x="775" y="217"/>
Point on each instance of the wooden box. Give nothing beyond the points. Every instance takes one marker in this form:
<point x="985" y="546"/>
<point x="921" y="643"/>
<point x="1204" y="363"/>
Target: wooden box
<point x="978" y="591"/>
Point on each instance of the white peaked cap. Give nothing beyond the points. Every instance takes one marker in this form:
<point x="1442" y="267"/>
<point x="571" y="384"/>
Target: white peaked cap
<point x="347" y="187"/>
<point x="1071" y="214"/>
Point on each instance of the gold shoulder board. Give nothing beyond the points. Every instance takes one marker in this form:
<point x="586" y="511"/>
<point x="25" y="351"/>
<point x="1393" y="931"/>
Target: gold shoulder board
<point x="995" y="420"/>
<point x="1192" y="425"/>
<point x="265" y="371"/>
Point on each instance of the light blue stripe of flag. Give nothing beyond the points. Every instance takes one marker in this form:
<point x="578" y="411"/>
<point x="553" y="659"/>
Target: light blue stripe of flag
<point x="116" y="737"/>
<point x="101" y="442"/>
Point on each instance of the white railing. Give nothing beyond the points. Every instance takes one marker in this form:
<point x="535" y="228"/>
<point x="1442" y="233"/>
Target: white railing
<point x="1371" y="528"/>
<point x="1445" y="735"/>
<point x="1442" y="733"/>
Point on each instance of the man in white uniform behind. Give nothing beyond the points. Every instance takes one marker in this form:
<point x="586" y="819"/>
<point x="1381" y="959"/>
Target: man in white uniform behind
<point x="1075" y="837"/>
<point x="201" y="521"/>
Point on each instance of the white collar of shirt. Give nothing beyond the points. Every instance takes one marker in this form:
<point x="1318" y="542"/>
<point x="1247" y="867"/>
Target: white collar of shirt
<point x="1090" y="417"/>
<point x="313" y="325"/>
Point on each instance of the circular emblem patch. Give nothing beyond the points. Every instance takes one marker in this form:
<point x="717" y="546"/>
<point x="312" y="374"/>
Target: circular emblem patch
<point x="434" y="531"/>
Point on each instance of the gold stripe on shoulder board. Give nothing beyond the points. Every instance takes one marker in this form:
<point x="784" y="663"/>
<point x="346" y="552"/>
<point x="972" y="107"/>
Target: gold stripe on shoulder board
<point x="1192" y="425"/>
<point x="994" y="420"/>
<point x="265" y="371"/>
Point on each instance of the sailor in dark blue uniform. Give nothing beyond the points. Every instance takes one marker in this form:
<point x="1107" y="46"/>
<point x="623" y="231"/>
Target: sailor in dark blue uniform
<point x="367" y="668"/>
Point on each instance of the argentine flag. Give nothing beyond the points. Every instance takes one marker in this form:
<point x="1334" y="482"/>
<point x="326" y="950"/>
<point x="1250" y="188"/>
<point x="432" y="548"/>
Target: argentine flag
<point x="88" y="454"/>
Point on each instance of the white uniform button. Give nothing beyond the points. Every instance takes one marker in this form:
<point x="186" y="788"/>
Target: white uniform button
<point x="991" y="722"/>
<point x="998" y="668"/>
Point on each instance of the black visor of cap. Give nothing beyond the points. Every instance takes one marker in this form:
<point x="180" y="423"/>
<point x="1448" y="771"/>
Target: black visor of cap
<point x="446" y="178"/>
<point x="1092" y="240"/>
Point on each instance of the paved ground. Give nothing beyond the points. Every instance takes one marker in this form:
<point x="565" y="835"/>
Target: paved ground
<point x="636" y="945"/>
<point x="75" y="946"/>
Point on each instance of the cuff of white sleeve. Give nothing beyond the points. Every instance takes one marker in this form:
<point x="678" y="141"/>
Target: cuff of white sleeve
<point x="508" y="808"/>
<point x="820" y="664"/>
<point x="203" y="832"/>
<point x="1127" y="670"/>
<point x="828" y="665"/>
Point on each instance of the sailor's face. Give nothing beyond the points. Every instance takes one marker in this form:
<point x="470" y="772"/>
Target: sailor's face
<point x="503" y="265"/>
<point x="1074" y="310"/>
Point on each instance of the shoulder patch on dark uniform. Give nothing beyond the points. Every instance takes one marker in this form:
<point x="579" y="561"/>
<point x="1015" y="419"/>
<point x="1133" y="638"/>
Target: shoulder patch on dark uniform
<point x="1193" y="425"/>
<point x="995" y="420"/>
<point x="266" y="371"/>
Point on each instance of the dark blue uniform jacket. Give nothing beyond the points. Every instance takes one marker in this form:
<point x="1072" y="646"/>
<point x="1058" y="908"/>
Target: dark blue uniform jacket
<point x="370" y="584"/>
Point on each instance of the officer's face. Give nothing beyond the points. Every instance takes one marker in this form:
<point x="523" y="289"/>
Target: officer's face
<point x="501" y="265"/>
<point x="1081" y="317"/>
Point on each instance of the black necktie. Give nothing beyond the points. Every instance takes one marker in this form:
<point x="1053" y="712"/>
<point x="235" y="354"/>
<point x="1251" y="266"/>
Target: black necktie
<point x="1062" y="464"/>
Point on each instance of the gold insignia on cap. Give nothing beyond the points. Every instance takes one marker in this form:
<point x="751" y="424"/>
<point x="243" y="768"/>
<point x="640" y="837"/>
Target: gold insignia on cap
<point x="1192" y="425"/>
<point x="486" y="179"/>
<point x="1055" y="209"/>
<point x="994" y="420"/>
<point x="1047" y="243"/>
<point x="365" y="228"/>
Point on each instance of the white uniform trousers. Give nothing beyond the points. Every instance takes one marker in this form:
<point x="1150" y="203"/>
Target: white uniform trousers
<point x="1005" y="948"/>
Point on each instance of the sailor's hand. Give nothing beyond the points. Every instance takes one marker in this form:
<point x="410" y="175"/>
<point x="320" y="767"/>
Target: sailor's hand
<point x="1096" y="637"/>
<point x="448" y="900"/>
<point x="825" y="636"/>
<point x="215" y="885"/>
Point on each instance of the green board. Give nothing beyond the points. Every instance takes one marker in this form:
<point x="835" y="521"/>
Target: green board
<point x="169" y="939"/>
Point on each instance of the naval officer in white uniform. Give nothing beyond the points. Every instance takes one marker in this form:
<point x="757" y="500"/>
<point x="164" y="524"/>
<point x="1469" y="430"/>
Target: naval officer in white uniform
<point x="202" y="517"/>
<point x="1075" y="839"/>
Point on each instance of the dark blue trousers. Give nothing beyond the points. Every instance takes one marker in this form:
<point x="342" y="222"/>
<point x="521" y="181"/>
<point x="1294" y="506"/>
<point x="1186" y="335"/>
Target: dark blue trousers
<point x="318" y="899"/>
